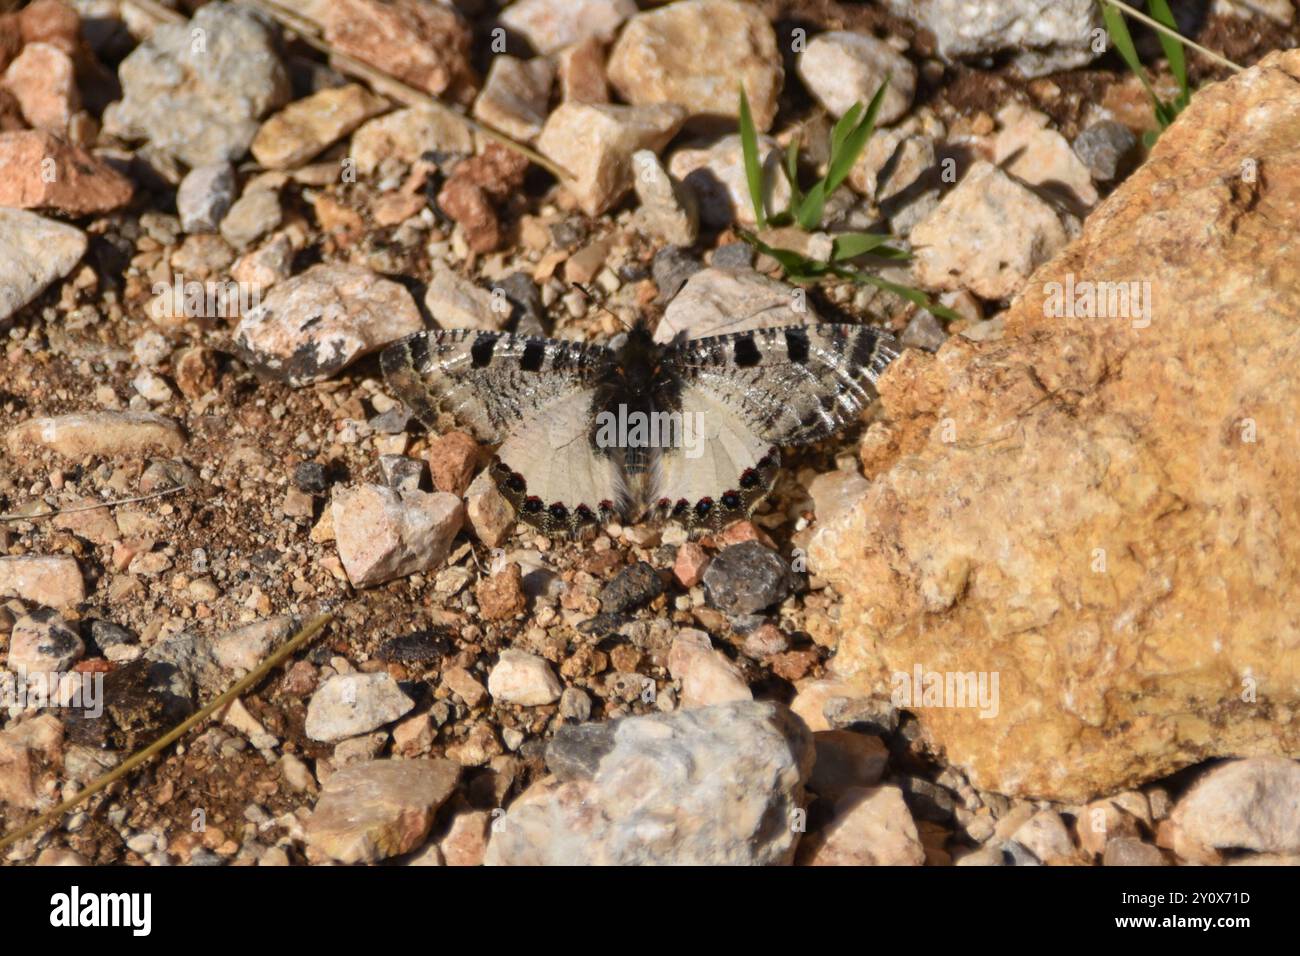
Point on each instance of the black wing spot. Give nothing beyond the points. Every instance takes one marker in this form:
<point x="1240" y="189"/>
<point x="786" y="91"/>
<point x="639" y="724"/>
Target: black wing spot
<point x="516" y="482"/>
<point x="418" y="346"/>
<point x="533" y="504"/>
<point x="480" y="352"/>
<point x="558" y="511"/>
<point x="534" y="355"/>
<point x="749" y="478"/>
<point x="796" y="345"/>
<point x="746" y="352"/>
<point x="681" y="507"/>
<point x="731" y="500"/>
<point x="703" y="506"/>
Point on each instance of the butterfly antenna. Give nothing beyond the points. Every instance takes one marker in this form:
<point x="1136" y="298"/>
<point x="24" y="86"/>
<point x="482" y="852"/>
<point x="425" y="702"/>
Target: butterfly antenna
<point x="601" y="306"/>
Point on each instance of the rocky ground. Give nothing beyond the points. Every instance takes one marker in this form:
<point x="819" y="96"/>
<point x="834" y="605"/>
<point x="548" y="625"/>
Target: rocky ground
<point x="208" y="228"/>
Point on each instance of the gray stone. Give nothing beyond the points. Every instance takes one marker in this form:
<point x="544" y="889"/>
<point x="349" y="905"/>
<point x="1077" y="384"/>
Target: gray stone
<point x="746" y="578"/>
<point x="197" y="90"/>
<point x="350" y="704"/>
<point x="205" y="196"/>
<point x="924" y="331"/>
<point x="1106" y="148"/>
<point x="635" y="585"/>
<point x="34" y="252"/>
<point x="311" y="326"/>
<point x="671" y="267"/>
<point x="668" y="208"/>
<point x="733" y="255"/>
<point x="251" y="217"/>
<point x="401" y="472"/>
<point x="716" y="785"/>
<point x="576" y="750"/>
<point x="1046" y="35"/>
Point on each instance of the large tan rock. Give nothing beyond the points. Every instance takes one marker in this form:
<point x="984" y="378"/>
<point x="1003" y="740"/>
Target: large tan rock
<point x="1102" y="512"/>
<point x="698" y="54"/>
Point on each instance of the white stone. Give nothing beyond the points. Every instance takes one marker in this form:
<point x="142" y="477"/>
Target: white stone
<point x="34" y="252"/>
<point x="707" y="677"/>
<point x="383" y="534"/>
<point x="719" y="301"/>
<point x="350" y="704"/>
<point x="595" y="143"/>
<point x="841" y="68"/>
<point x="716" y="175"/>
<point x="311" y="326"/>
<point x="524" y="679"/>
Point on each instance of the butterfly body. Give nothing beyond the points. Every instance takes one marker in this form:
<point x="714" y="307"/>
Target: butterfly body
<point x="687" y="432"/>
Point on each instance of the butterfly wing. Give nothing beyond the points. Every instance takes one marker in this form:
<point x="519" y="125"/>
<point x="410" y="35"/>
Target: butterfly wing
<point x="793" y="385"/>
<point x="533" y="397"/>
<point x="718" y="473"/>
<point x="750" y="392"/>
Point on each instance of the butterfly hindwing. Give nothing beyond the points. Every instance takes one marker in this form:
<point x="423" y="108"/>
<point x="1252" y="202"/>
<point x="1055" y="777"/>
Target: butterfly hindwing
<point x="548" y="468"/>
<point x="791" y="385"/>
<point x="716" y="477"/>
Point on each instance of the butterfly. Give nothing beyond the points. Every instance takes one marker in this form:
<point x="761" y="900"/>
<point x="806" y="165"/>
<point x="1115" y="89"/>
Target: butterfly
<point x="687" y="431"/>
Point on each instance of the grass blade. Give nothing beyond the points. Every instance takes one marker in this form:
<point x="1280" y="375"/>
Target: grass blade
<point x="850" y="245"/>
<point x="753" y="167"/>
<point x="792" y="173"/>
<point x="796" y="266"/>
<point x="843" y="126"/>
<point x="812" y="207"/>
<point x="1174" y="52"/>
<point x="902" y="291"/>
<point x="1123" y="42"/>
<point x="852" y="144"/>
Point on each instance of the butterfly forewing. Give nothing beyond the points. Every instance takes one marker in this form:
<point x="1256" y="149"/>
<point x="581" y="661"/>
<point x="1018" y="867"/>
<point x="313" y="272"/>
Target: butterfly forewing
<point x="790" y="385"/>
<point x="487" y="382"/>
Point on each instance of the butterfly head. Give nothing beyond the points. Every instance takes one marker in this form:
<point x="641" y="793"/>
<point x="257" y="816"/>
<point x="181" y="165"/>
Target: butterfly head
<point x="640" y="361"/>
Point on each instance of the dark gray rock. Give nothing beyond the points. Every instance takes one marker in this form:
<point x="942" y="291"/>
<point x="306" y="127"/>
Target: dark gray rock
<point x="671" y="267"/>
<point x="745" y="578"/>
<point x="310" y="476"/>
<point x="927" y="800"/>
<point x="734" y="255"/>
<point x="632" y="587"/>
<point x="1107" y="149"/>
<point x="401" y="472"/>
<point x="576" y="750"/>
